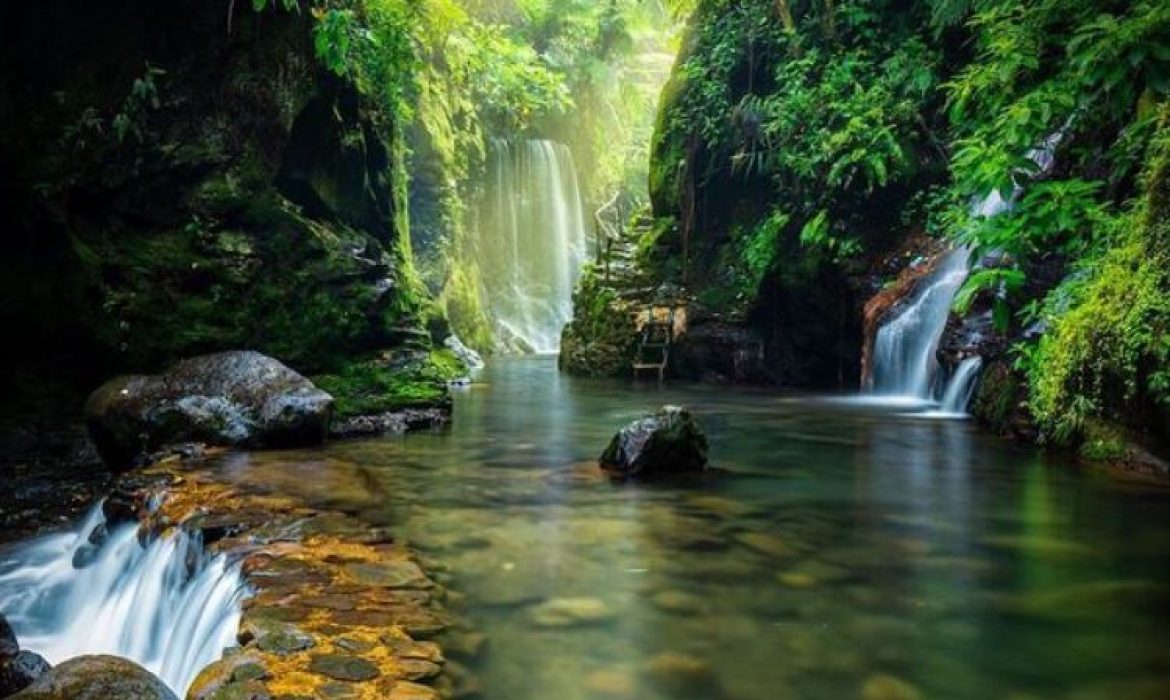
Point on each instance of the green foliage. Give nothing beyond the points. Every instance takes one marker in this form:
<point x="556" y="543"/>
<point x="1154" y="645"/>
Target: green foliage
<point x="1106" y="353"/>
<point x="382" y="385"/>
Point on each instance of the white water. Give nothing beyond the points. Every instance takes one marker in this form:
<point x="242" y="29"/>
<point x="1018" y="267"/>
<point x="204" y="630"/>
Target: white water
<point x="960" y="387"/>
<point x="530" y="242"/>
<point x="168" y="606"/>
<point x="904" y="362"/>
<point x="905" y="365"/>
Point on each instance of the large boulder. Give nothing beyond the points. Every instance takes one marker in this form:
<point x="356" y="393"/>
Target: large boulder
<point x="228" y="398"/>
<point x="97" y="678"/>
<point x="668" y="442"/>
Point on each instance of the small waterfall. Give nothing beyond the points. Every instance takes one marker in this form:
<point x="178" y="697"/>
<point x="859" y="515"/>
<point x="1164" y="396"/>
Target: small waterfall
<point x="905" y="346"/>
<point x="961" y="386"/>
<point x="168" y="605"/>
<point x="530" y="242"/>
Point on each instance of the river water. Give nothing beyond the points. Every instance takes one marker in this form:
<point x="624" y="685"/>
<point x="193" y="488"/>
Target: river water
<point x="844" y="551"/>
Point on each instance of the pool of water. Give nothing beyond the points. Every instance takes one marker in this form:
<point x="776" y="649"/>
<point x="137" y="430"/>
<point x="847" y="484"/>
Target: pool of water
<point x="843" y="549"/>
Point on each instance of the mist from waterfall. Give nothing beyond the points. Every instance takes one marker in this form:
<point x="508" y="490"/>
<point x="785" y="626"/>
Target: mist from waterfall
<point x="166" y="604"/>
<point x="530" y="242"/>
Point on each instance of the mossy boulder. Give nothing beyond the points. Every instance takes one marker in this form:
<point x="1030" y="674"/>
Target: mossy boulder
<point x="98" y="677"/>
<point x="668" y="442"/>
<point x="601" y="339"/>
<point x="228" y="398"/>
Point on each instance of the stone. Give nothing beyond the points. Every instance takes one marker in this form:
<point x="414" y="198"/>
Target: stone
<point x="218" y="679"/>
<point x="343" y="667"/>
<point x="407" y="648"/>
<point x="393" y="574"/>
<point x="678" y="672"/>
<point x="8" y="643"/>
<point x="764" y="543"/>
<point x="418" y="669"/>
<point x="20" y="670"/>
<point x="97" y="677"/>
<point x="678" y="602"/>
<point x="228" y="398"/>
<point x="275" y="637"/>
<point x="668" y="442"/>
<point x="886" y="687"/>
<point x="611" y="684"/>
<point x="570" y="612"/>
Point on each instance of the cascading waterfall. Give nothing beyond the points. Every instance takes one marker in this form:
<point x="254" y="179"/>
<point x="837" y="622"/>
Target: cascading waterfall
<point x="961" y="386"/>
<point x="167" y="605"/>
<point x="530" y="242"/>
<point x="905" y="347"/>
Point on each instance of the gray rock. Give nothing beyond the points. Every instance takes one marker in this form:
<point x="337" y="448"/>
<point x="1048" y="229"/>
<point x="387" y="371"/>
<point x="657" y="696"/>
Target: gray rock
<point x="8" y="645"/>
<point x="20" y="670"/>
<point x="229" y="398"/>
<point x="97" y="678"/>
<point x="668" y="442"/>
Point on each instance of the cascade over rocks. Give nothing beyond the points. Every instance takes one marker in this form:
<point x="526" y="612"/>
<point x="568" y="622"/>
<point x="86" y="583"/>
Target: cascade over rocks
<point x="668" y="442"/>
<point x="98" y="677"/>
<point x="228" y="398"/>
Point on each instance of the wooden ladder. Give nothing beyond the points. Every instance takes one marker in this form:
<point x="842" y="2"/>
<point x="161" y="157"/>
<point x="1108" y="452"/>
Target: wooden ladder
<point x="654" y="346"/>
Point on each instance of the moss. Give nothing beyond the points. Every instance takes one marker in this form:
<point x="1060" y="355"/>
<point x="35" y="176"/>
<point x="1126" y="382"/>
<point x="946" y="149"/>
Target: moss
<point x="385" y="384"/>
<point x="601" y="339"/>
<point x="997" y="399"/>
<point x="1103" y="443"/>
<point x="1107" y="354"/>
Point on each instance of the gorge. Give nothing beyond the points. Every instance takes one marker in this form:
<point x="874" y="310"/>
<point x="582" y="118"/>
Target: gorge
<point x="322" y="312"/>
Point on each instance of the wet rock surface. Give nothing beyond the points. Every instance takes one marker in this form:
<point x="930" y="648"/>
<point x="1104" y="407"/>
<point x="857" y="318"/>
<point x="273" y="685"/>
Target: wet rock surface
<point x="339" y="608"/>
<point x="228" y="398"/>
<point x="98" y="677"/>
<point x="668" y="442"/>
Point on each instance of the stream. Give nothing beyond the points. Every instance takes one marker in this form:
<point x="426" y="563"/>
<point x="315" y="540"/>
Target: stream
<point x="846" y="549"/>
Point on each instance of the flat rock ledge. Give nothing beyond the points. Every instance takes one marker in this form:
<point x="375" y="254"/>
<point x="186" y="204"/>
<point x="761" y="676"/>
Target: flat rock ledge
<point x="338" y="609"/>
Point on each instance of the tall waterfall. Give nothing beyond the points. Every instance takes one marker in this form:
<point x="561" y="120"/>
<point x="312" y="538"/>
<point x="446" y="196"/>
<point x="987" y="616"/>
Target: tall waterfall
<point x="530" y="242"/>
<point x="905" y="347"/>
<point x="168" y="605"/>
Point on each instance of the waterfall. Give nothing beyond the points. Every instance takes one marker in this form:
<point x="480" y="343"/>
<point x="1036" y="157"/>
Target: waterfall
<point x="167" y="605"/>
<point x="961" y="386"/>
<point x="530" y="242"/>
<point x="905" y="363"/>
<point x="905" y="346"/>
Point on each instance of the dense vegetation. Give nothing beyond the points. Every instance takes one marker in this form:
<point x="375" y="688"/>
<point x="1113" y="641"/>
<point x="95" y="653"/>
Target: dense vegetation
<point x="802" y="142"/>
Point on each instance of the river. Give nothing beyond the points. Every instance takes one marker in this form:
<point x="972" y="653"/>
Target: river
<point x="842" y="549"/>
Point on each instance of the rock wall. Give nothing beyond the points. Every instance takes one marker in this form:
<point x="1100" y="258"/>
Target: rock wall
<point x="176" y="179"/>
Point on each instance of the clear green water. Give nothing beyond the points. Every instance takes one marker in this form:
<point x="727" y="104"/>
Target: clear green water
<point x="847" y="552"/>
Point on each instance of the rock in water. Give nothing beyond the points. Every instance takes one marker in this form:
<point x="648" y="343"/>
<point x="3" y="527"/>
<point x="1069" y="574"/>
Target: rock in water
<point x="20" y="670"/>
<point x="97" y="678"/>
<point x="8" y="645"/>
<point x="668" y="442"/>
<point x="229" y="398"/>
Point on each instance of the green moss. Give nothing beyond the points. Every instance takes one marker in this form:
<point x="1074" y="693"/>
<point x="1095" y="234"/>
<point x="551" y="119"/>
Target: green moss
<point x="1103" y="443"/>
<point x="384" y="384"/>
<point x="1106" y="356"/>
<point x="601" y="339"/>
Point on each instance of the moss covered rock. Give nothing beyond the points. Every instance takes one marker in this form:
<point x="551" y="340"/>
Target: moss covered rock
<point x="97" y="678"/>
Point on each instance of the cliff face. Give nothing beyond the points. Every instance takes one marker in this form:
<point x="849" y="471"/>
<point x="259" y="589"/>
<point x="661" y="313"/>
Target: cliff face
<point x="788" y="151"/>
<point x="177" y="181"/>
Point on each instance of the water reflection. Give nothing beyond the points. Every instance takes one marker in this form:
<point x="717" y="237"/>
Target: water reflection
<point x="845" y="552"/>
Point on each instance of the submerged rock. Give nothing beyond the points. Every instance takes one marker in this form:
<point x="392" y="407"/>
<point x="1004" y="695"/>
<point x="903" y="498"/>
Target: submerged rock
<point x="571" y="612"/>
<point x="668" y="442"/>
<point x="228" y="398"/>
<point x="98" y="677"/>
